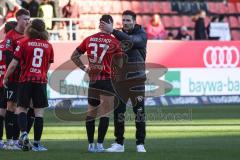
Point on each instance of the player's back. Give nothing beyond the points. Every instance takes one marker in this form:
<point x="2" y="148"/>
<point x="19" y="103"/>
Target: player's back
<point x="100" y="50"/>
<point x="35" y="56"/>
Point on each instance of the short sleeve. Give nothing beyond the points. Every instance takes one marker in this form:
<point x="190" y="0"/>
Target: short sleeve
<point x="9" y="43"/>
<point x="18" y="52"/>
<point x="82" y="48"/>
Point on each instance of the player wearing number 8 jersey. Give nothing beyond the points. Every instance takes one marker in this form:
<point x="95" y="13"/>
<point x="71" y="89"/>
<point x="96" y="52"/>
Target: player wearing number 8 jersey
<point x="101" y="49"/>
<point x="34" y="54"/>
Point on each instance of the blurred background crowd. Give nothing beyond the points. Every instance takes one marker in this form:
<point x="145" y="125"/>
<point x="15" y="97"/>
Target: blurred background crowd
<point x="162" y="19"/>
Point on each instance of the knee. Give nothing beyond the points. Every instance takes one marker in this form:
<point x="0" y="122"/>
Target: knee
<point x="106" y="106"/>
<point x="39" y="112"/>
<point x="91" y="114"/>
<point x="93" y="102"/>
<point x="11" y="106"/>
<point x="89" y="119"/>
<point x="21" y="110"/>
<point x="2" y="112"/>
<point x="92" y="111"/>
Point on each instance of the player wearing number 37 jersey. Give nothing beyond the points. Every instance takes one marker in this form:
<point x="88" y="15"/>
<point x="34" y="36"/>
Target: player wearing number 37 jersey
<point x="34" y="54"/>
<point x="102" y="50"/>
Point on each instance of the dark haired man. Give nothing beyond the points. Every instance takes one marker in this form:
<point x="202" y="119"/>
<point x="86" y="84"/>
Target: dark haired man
<point x="3" y="103"/>
<point x="11" y="41"/>
<point x="136" y="37"/>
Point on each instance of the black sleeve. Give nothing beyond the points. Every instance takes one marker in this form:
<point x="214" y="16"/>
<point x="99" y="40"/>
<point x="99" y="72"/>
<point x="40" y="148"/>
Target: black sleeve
<point x="40" y="12"/>
<point x="52" y="3"/>
<point x="139" y="39"/>
<point x="201" y="29"/>
<point x="178" y="37"/>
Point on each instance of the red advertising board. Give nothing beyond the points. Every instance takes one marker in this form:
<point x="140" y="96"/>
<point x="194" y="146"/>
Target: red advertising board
<point x="175" y="54"/>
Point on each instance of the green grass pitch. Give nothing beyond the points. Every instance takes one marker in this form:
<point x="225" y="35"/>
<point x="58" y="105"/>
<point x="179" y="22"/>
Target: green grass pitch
<point x="173" y="133"/>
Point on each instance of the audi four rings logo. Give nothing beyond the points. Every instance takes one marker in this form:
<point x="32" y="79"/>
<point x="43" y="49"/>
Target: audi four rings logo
<point x="217" y="57"/>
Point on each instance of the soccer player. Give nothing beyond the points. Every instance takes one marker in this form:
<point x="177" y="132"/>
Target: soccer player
<point x="136" y="35"/>
<point x="3" y="103"/>
<point x="11" y="41"/>
<point x="101" y="48"/>
<point x="34" y="54"/>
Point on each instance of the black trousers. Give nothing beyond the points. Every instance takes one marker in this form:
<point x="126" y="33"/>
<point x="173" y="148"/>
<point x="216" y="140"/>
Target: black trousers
<point x="139" y="111"/>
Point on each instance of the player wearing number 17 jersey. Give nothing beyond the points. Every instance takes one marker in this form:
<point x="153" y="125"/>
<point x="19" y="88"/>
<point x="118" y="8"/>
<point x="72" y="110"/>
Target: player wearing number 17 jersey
<point x="34" y="54"/>
<point x="12" y="39"/>
<point x="3" y="101"/>
<point x="101" y="49"/>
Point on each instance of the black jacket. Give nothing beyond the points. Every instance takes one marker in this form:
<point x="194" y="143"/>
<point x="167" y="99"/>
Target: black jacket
<point x="200" y="31"/>
<point x="137" y="51"/>
<point x="33" y="7"/>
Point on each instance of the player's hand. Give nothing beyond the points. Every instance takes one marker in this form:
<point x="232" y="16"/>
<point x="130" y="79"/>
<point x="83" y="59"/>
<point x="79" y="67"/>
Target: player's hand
<point x="93" y="71"/>
<point x="5" y="81"/>
<point x="108" y="27"/>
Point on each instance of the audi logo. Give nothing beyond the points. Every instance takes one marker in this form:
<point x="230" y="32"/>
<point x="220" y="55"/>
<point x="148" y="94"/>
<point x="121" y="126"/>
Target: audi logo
<point x="221" y="57"/>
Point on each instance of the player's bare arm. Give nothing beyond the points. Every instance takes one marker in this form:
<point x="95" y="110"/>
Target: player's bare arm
<point x="49" y="65"/>
<point x="77" y="61"/>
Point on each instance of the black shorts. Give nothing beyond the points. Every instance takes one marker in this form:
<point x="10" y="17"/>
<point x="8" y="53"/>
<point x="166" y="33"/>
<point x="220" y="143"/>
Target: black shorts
<point x="11" y="92"/>
<point x="35" y="91"/>
<point x="3" y="98"/>
<point x="97" y="88"/>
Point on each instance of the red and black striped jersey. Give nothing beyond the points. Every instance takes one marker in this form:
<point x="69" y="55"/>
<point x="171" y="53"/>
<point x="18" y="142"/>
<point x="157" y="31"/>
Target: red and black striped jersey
<point x="35" y="56"/>
<point x="100" y="49"/>
<point x="2" y="62"/>
<point x="11" y="40"/>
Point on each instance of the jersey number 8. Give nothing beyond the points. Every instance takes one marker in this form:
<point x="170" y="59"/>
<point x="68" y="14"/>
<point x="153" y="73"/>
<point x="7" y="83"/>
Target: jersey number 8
<point x="37" y="59"/>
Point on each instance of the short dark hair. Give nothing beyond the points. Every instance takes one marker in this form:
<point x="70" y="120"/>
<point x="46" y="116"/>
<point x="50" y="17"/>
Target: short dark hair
<point x="221" y="18"/>
<point x="131" y="13"/>
<point x="200" y="11"/>
<point x="37" y="30"/>
<point x="170" y="34"/>
<point x="9" y="26"/>
<point x="106" y="18"/>
<point x="22" y="12"/>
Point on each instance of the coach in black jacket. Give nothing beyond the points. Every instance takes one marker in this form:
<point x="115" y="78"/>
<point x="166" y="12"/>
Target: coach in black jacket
<point x="134" y="41"/>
